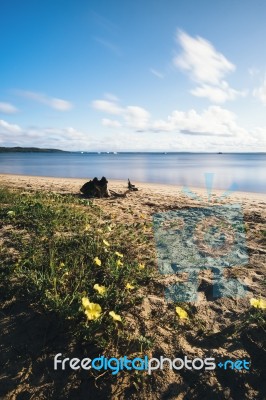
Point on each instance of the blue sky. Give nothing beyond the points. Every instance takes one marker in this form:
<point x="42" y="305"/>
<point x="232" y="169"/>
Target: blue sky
<point x="120" y="75"/>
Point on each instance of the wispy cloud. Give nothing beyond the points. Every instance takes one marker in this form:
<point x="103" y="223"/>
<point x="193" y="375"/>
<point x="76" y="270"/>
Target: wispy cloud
<point x="7" y="108"/>
<point x="201" y="60"/>
<point x="156" y="73"/>
<point x="178" y="139"/>
<point x="108" y="45"/>
<point x="6" y="127"/>
<point x="110" y="107"/>
<point x="134" y="116"/>
<point x="260" y="92"/>
<point x="111" y="97"/>
<point x="53" y="102"/>
<point x="111" y="123"/>
<point x="214" y="127"/>
<point x="207" y="67"/>
<point x="218" y="94"/>
<point x="104" y="22"/>
<point x="214" y="121"/>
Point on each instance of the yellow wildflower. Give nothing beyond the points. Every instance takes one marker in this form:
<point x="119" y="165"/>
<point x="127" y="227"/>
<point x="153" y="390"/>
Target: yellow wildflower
<point x="87" y="227"/>
<point x="61" y="265"/>
<point x="109" y="228"/>
<point x="258" y="303"/>
<point x="181" y="313"/>
<point x="92" y="310"/>
<point x="141" y="266"/>
<point x="97" y="261"/>
<point x="119" y="254"/>
<point x="11" y="213"/>
<point x="85" y="302"/>
<point x="128" y="286"/>
<point x="106" y="243"/>
<point x="115" y="316"/>
<point x="100" y="289"/>
<point x="119" y="263"/>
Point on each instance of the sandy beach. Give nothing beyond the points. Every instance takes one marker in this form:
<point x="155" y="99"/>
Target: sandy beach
<point x="73" y="185"/>
<point x="216" y="316"/>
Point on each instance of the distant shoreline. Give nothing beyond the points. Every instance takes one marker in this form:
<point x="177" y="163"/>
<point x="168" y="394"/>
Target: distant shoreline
<point x="29" y="150"/>
<point x="18" y="149"/>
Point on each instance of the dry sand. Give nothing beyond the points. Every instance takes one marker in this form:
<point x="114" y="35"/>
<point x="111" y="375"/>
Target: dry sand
<point x="72" y="185"/>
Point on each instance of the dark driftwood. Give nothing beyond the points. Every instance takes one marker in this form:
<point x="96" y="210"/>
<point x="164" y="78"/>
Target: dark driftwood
<point x="115" y="194"/>
<point x="96" y="188"/>
<point x="131" y="187"/>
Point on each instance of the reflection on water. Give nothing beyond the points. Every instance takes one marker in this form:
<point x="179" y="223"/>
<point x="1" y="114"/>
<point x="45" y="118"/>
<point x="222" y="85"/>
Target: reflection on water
<point x="246" y="170"/>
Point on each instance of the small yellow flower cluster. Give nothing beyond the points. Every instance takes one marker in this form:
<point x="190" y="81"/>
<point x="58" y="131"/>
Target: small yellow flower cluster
<point x="258" y="303"/>
<point x="130" y="287"/>
<point x="93" y="311"/>
<point x="100" y="289"/>
<point x="181" y="313"/>
<point x="97" y="261"/>
<point x="119" y="263"/>
<point x="115" y="316"/>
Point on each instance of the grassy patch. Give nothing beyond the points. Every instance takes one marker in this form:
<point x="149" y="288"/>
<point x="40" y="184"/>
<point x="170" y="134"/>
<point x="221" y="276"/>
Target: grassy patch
<point x="59" y="247"/>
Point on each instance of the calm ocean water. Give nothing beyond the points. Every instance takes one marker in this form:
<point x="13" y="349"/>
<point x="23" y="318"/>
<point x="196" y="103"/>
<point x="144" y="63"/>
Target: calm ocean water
<point x="246" y="171"/>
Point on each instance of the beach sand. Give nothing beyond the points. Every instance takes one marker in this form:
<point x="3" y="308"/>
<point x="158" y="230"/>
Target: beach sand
<point x="149" y="199"/>
<point x="217" y="316"/>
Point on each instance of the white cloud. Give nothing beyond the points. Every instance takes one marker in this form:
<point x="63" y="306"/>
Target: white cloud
<point x="53" y="102"/>
<point x="201" y="60"/>
<point x="260" y="92"/>
<point x="5" y="127"/>
<point x="111" y="123"/>
<point x="59" y="104"/>
<point x="207" y="67"/>
<point x="214" y="121"/>
<point x="185" y="133"/>
<point x="136" y="117"/>
<point x="157" y="73"/>
<point x="7" y="108"/>
<point x="218" y="94"/>
<point x="109" y="107"/>
<point x="213" y="129"/>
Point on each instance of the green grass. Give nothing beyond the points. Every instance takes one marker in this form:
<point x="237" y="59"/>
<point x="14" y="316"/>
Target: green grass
<point x="48" y="248"/>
